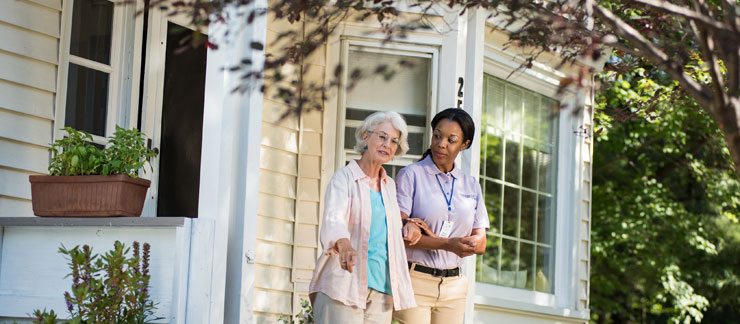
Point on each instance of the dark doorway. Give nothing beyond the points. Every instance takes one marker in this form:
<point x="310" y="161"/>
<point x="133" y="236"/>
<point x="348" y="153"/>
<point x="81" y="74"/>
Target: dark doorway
<point x="182" y="124"/>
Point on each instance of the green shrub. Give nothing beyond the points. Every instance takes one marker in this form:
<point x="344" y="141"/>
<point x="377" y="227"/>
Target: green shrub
<point x="109" y="288"/>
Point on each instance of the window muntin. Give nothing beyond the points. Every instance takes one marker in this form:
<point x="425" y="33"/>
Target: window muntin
<point x="409" y="92"/>
<point x="89" y="70"/>
<point x="517" y="178"/>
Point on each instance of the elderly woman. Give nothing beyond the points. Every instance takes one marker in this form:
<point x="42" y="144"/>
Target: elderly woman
<point x="363" y="274"/>
<point x="448" y="200"/>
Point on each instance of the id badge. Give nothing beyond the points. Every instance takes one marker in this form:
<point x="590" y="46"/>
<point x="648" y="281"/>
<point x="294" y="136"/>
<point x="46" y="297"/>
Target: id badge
<point x="446" y="229"/>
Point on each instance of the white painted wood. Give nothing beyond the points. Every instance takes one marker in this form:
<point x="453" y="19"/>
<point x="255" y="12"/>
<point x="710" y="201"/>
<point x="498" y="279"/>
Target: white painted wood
<point x="506" y="314"/>
<point x="472" y="102"/>
<point x="30" y="16"/>
<point x="28" y="43"/>
<point x="234" y="121"/>
<point x="201" y="267"/>
<point x="181" y="271"/>
<point x="566" y="248"/>
<point x="36" y="248"/>
<point x="81" y="61"/>
<point x="14" y="207"/>
<point x="24" y="157"/>
<point x="62" y="69"/>
<point x="27" y="100"/>
<point x="14" y="183"/>
<point x="27" y="71"/>
<point x="53" y="4"/>
<point x="24" y="128"/>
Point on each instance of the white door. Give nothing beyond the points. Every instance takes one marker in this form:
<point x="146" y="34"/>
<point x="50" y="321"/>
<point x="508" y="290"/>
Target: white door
<point x="172" y="113"/>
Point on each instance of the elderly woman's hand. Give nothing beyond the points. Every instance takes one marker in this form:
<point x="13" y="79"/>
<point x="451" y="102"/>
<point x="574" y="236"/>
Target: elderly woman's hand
<point x="347" y="254"/>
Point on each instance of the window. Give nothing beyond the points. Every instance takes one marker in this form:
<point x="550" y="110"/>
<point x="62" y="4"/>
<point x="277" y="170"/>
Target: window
<point x="517" y="176"/>
<point x="90" y="68"/>
<point x="409" y="92"/>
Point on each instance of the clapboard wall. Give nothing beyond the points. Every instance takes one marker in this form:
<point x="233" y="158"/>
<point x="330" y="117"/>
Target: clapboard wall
<point x="29" y="56"/>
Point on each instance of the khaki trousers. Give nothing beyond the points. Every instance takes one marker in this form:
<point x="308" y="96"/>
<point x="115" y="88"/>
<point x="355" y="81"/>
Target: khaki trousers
<point x="439" y="300"/>
<point x="329" y="311"/>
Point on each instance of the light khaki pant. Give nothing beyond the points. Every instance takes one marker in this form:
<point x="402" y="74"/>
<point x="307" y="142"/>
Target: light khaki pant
<point x="329" y="311"/>
<point x="439" y="300"/>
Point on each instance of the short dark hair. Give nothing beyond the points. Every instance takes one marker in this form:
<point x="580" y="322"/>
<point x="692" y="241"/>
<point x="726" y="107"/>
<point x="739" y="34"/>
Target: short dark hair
<point x="462" y="118"/>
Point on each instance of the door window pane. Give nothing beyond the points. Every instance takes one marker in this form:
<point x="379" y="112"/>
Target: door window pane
<point x="92" y="27"/>
<point x="406" y="92"/>
<point x="517" y="154"/>
<point x="87" y="99"/>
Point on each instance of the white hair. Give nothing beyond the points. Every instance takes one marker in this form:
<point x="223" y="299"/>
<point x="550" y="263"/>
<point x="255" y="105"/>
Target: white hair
<point x="371" y="123"/>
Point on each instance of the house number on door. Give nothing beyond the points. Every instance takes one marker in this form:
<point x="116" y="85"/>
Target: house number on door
<point x="460" y="82"/>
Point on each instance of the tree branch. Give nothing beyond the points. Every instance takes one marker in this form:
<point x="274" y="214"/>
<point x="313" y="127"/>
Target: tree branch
<point x="707" y="48"/>
<point x="699" y="17"/>
<point x="650" y="52"/>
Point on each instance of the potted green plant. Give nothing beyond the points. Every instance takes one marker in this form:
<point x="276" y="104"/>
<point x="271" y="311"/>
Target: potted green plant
<point x="86" y="180"/>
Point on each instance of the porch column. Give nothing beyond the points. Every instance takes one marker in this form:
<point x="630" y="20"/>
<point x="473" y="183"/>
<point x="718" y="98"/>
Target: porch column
<point x="221" y="280"/>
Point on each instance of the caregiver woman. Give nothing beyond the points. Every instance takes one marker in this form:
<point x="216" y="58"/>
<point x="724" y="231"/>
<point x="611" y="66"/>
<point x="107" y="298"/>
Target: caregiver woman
<point x="363" y="274"/>
<point x="450" y="202"/>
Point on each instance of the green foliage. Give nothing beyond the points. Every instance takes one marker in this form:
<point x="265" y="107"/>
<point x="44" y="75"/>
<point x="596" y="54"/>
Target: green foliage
<point x="305" y="316"/>
<point x="44" y="317"/>
<point x="109" y="288"/>
<point x="74" y="154"/>
<point x="666" y="247"/>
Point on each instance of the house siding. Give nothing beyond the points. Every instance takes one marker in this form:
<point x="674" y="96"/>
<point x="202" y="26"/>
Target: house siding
<point x="29" y="58"/>
<point x="585" y="167"/>
<point x="289" y="193"/>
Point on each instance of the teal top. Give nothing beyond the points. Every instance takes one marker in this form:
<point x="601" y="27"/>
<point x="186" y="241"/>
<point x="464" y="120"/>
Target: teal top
<point x="378" y="271"/>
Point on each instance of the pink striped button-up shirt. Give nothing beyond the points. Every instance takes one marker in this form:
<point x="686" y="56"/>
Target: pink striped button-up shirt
<point x="347" y="214"/>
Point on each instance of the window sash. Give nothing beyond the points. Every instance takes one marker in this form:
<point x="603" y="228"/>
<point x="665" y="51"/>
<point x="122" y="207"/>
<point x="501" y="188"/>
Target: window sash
<point x="118" y="109"/>
<point x="508" y="119"/>
<point x="398" y="49"/>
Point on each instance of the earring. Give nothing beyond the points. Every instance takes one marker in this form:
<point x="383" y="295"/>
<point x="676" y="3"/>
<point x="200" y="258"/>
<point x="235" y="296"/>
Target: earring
<point x="364" y="147"/>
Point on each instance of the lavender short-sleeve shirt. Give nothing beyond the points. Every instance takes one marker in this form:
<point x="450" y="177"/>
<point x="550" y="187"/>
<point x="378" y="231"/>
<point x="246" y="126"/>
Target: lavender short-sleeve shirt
<point x="419" y="195"/>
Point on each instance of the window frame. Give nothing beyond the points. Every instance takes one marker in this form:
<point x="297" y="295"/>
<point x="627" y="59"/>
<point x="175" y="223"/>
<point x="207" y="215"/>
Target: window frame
<point x="394" y="48"/>
<point x="522" y="138"/>
<point x="123" y="83"/>
<point x="545" y="81"/>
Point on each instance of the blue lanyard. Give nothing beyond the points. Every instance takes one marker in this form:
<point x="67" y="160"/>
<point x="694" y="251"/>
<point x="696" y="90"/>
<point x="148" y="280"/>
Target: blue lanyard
<point x="449" y="201"/>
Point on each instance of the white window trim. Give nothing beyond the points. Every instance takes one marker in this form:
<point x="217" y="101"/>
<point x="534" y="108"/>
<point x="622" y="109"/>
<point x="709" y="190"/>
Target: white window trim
<point x="430" y="51"/>
<point x="545" y="81"/>
<point x="123" y="76"/>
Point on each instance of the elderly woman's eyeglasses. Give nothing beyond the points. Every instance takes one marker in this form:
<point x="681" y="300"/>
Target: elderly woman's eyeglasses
<point x="383" y="136"/>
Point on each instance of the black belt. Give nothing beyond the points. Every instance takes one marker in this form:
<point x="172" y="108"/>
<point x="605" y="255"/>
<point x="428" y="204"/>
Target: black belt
<point x="436" y="272"/>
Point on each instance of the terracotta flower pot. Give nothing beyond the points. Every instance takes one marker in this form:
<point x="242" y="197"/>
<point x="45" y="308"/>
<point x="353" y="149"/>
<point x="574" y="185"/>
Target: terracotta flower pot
<point x="88" y="196"/>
